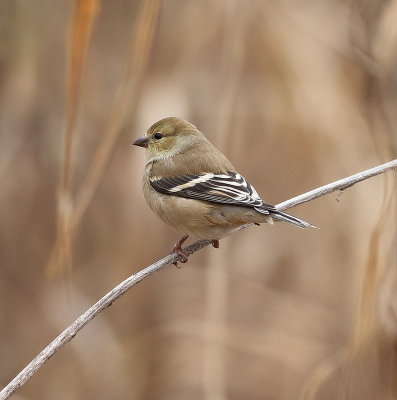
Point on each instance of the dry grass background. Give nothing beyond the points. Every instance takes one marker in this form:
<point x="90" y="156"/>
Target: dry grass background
<point x="297" y="94"/>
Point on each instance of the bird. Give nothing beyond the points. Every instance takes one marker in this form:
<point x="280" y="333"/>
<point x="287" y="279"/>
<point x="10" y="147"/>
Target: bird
<point x="195" y="189"/>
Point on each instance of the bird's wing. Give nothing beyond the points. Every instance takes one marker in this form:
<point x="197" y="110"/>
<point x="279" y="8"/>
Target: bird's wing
<point x="230" y="188"/>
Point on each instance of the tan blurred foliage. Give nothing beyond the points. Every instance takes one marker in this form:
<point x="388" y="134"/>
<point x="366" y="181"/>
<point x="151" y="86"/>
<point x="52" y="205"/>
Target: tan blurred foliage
<point x="297" y="94"/>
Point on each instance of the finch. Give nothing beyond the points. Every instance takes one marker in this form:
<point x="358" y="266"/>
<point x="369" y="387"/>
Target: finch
<point x="195" y="189"/>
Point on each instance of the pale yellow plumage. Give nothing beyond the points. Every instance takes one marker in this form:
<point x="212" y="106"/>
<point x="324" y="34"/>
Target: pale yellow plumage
<point x="177" y="148"/>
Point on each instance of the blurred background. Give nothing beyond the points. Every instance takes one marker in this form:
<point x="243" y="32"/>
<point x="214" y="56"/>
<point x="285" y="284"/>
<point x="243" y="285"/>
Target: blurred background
<point x="297" y="94"/>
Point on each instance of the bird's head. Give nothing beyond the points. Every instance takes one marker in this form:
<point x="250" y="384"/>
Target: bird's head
<point x="168" y="137"/>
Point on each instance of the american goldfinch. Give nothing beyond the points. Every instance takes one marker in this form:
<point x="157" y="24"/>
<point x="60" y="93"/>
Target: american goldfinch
<point x="195" y="189"/>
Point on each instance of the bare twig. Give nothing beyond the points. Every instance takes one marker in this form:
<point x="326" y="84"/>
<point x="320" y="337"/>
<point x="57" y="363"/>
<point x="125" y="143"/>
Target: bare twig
<point x="342" y="184"/>
<point x="69" y="333"/>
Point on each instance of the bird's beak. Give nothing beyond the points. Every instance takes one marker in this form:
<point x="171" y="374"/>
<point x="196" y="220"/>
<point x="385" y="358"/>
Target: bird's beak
<point x="142" y="142"/>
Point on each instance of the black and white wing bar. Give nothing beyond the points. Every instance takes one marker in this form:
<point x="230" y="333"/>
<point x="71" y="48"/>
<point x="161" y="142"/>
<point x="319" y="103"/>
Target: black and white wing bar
<point x="230" y="189"/>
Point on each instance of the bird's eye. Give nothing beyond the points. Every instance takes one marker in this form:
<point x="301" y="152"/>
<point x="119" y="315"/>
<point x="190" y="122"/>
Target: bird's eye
<point x="157" y="136"/>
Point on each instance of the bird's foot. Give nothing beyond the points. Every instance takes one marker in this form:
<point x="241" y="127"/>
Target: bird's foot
<point x="215" y="244"/>
<point x="177" y="249"/>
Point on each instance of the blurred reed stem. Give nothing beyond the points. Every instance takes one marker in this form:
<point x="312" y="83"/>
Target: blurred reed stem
<point x="126" y="100"/>
<point x="84" y="15"/>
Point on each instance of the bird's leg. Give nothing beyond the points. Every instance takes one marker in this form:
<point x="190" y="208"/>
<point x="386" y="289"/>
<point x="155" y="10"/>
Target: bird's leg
<point x="215" y="244"/>
<point x="177" y="248"/>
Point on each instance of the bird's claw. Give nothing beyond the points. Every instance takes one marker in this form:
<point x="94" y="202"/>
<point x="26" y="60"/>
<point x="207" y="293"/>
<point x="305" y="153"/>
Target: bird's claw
<point x="177" y="249"/>
<point x="184" y="258"/>
<point x="215" y="244"/>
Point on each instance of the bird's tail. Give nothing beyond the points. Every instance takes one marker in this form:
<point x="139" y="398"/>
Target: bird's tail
<point x="281" y="216"/>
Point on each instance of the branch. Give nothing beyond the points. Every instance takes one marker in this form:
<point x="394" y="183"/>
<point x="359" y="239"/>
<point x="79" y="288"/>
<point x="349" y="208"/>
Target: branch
<point x="341" y="185"/>
<point x="69" y="333"/>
